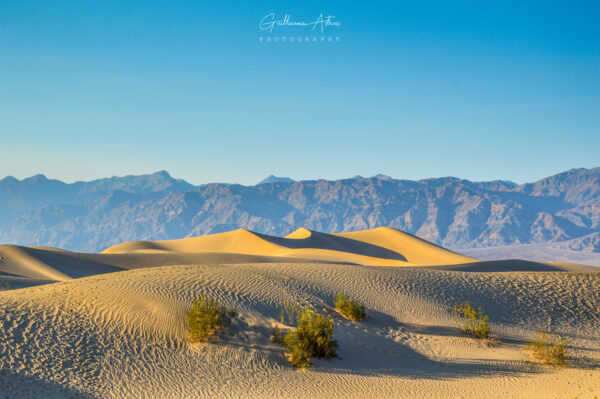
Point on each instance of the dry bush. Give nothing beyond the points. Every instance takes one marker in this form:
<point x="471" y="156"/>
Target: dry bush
<point x="350" y="308"/>
<point x="548" y="349"/>
<point x="207" y="318"/>
<point x="472" y="321"/>
<point x="313" y="337"/>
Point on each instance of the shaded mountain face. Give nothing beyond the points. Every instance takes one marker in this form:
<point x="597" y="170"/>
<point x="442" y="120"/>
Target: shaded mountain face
<point x="451" y="212"/>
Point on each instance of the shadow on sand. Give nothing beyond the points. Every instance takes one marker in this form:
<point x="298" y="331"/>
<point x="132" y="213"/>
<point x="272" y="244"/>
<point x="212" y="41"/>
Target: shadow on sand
<point x="19" y="385"/>
<point x="365" y="349"/>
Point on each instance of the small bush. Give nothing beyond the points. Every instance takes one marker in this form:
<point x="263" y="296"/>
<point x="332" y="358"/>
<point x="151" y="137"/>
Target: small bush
<point x="313" y="337"/>
<point x="350" y="308"/>
<point x="207" y="318"/>
<point x="472" y="321"/>
<point x="548" y="349"/>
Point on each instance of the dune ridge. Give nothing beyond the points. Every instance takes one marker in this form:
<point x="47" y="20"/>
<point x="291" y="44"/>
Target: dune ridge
<point x="25" y="266"/>
<point x="381" y="246"/>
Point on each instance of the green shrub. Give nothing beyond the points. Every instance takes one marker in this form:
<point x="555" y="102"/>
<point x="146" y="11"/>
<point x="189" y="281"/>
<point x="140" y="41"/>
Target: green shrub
<point x="207" y="318"/>
<point x="472" y="321"/>
<point x="350" y="308"/>
<point x="548" y="349"/>
<point x="313" y="337"/>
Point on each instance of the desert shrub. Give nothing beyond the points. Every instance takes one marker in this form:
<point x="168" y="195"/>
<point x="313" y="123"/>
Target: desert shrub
<point x="350" y="308"/>
<point x="548" y="348"/>
<point x="313" y="337"/>
<point x="207" y="318"/>
<point x="472" y="321"/>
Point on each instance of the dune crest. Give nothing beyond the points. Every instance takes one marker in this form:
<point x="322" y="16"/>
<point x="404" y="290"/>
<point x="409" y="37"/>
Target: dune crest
<point x="416" y="250"/>
<point x="299" y="234"/>
<point x="381" y="246"/>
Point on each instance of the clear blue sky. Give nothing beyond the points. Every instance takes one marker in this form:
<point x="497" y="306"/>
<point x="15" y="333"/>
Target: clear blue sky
<point x="509" y="90"/>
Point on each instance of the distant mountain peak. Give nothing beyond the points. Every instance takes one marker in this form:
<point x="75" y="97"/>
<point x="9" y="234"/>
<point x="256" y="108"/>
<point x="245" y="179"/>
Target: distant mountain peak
<point x="36" y="178"/>
<point x="10" y="179"/>
<point x="380" y="176"/>
<point x="162" y="173"/>
<point x="275" y="179"/>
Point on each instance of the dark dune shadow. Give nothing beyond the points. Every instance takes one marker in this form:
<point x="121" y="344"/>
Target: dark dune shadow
<point x="327" y="241"/>
<point x="381" y="320"/>
<point x="380" y="355"/>
<point x="384" y="321"/>
<point x="126" y="261"/>
<point x="9" y="281"/>
<point x="77" y="265"/>
<point x="72" y="264"/>
<point x="20" y="385"/>
<point x="364" y="350"/>
<point x="397" y="359"/>
<point x="509" y="265"/>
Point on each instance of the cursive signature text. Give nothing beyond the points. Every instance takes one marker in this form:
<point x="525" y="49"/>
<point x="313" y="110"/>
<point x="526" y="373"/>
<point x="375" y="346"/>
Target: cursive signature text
<point x="269" y="22"/>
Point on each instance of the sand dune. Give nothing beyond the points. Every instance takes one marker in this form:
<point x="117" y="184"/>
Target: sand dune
<point x="381" y="246"/>
<point x="415" y="250"/>
<point x="113" y="324"/>
<point x="123" y="334"/>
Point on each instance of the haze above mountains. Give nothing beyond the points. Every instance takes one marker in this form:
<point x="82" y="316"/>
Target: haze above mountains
<point x="561" y="210"/>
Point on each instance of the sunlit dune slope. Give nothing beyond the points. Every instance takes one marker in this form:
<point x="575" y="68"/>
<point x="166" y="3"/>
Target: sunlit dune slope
<point x="381" y="246"/>
<point x="416" y="250"/>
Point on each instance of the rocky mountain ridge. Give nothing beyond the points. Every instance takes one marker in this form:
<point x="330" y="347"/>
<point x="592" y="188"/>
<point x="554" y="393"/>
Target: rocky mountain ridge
<point x="453" y="212"/>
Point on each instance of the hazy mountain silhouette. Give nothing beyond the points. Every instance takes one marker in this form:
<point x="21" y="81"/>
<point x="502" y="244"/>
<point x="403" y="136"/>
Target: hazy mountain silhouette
<point x="275" y="179"/>
<point x="90" y="216"/>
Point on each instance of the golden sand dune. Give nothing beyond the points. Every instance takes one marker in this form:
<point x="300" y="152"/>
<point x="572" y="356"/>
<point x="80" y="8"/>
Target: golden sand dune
<point x="113" y="324"/>
<point x="415" y="250"/>
<point x="381" y="246"/>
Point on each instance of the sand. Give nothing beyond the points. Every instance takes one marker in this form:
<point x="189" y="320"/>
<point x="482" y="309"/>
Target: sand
<point x="113" y="325"/>
<point x="380" y="246"/>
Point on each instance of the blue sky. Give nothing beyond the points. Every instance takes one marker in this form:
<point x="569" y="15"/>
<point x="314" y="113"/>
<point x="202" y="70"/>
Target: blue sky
<point x="509" y="90"/>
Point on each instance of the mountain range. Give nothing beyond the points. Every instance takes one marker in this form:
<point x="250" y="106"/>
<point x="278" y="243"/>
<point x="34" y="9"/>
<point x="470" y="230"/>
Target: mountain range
<point x="457" y="213"/>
